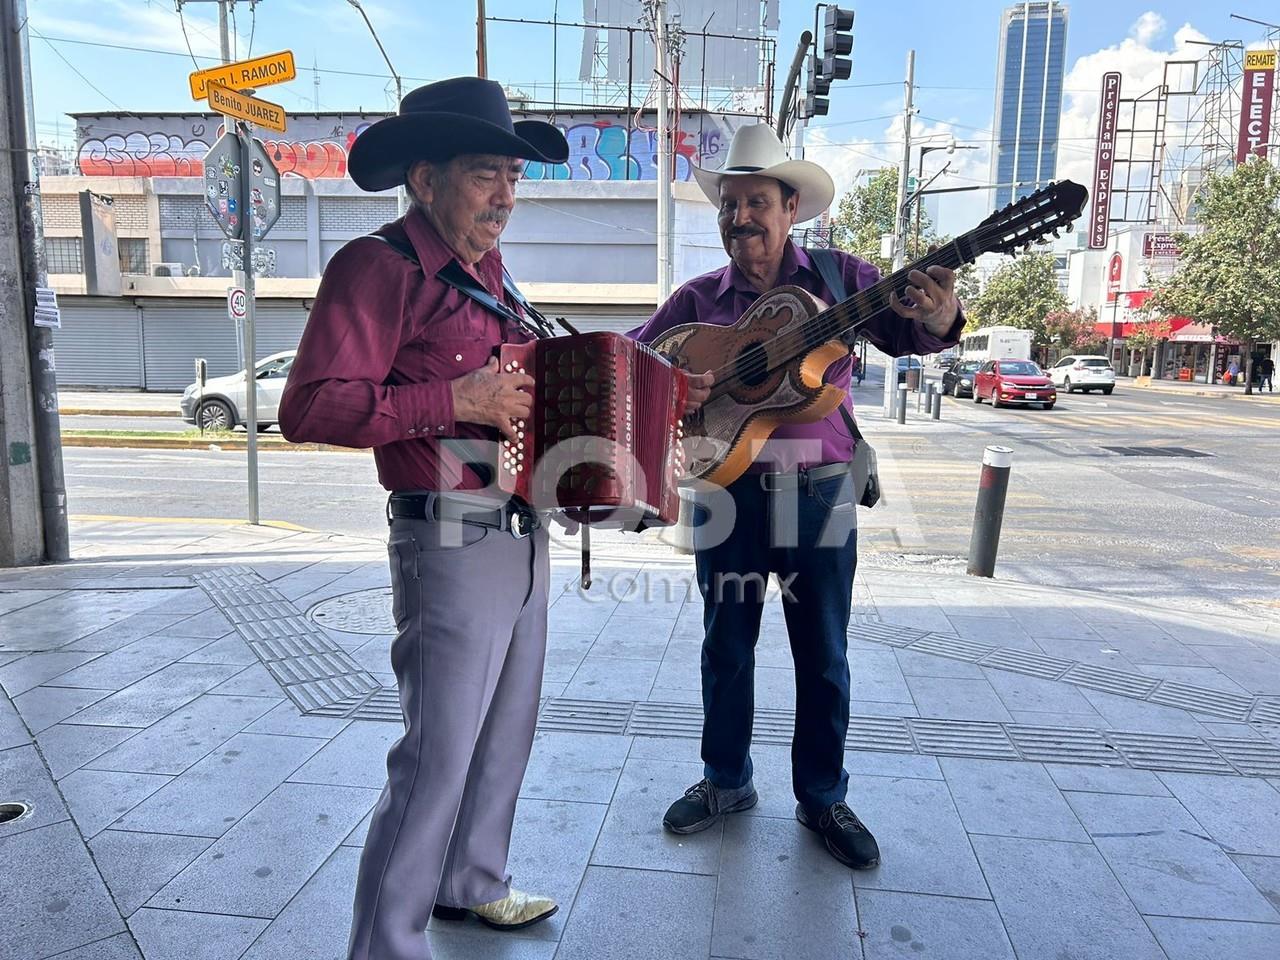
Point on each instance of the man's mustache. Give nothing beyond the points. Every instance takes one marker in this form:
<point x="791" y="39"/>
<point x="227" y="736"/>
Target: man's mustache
<point x="493" y="216"/>
<point x="739" y="233"/>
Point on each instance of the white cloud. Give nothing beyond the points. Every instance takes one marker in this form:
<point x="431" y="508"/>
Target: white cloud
<point x="154" y="26"/>
<point x="1147" y="27"/>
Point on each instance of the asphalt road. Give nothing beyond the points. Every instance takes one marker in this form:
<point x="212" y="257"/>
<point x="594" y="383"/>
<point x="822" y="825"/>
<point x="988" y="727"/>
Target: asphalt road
<point x="1200" y="531"/>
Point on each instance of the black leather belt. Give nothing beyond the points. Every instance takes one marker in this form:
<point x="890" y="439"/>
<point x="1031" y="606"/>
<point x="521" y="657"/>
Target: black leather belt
<point x="515" y="516"/>
<point x="806" y="478"/>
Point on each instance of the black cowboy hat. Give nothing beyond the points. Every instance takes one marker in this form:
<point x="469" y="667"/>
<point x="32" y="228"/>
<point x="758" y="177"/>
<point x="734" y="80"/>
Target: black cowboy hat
<point x="441" y="121"/>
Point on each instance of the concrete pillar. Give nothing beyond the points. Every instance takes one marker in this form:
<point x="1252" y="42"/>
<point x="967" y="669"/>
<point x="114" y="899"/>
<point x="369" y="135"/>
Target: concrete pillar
<point x="21" y="534"/>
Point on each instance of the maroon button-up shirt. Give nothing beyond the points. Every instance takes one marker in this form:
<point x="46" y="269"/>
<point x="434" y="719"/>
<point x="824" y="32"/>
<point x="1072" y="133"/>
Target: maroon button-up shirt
<point x="723" y="296"/>
<point x="383" y="340"/>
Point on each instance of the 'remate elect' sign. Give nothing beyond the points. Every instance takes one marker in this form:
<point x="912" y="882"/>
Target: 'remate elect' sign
<point x="246" y="74"/>
<point x="1255" y="106"/>
<point x="1100" y="213"/>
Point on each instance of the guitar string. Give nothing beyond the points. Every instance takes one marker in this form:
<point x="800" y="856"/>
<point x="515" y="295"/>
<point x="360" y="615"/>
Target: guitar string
<point x="865" y="303"/>
<point x="833" y="320"/>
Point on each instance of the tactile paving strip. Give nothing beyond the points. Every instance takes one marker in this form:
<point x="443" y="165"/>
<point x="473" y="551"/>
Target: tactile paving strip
<point x="1136" y="686"/>
<point x="323" y="680"/>
<point x="312" y="671"/>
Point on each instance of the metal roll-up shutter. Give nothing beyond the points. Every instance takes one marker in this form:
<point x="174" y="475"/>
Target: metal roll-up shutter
<point x="175" y="332"/>
<point x="99" y="344"/>
<point x="278" y="325"/>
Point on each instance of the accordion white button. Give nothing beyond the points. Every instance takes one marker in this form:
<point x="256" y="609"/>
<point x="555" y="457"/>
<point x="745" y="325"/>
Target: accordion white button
<point x="520" y="424"/>
<point x="458" y="357"/>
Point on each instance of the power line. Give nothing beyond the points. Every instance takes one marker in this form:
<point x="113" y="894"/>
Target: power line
<point x="74" y="69"/>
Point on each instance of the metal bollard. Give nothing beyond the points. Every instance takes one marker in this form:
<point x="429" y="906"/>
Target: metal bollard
<point x="937" y="404"/>
<point x="989" y="512"/>
<point x="902" y="403"/>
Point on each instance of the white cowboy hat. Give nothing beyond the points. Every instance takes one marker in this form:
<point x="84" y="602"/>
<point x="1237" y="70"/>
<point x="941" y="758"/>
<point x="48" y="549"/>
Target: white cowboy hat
<point x="757" y="151"/>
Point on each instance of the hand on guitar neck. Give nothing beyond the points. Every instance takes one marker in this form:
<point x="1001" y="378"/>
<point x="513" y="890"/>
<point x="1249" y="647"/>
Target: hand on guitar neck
<point x="933" y="299"/>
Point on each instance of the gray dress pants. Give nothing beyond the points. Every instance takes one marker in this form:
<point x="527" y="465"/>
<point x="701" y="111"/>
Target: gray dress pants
<point x="470" y="608"/>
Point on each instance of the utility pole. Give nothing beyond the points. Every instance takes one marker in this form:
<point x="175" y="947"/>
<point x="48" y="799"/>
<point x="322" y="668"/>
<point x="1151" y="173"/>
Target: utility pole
<point x="482" y="42"/>
<point x="244" y="279"/>
<point x="664" y="153"/>
<point x="33" y="499"/>
<point x="900" y="222"/>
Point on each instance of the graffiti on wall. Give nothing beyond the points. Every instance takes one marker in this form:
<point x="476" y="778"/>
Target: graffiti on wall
<point x="317" y="147"/>
<point x="606" y="151"/>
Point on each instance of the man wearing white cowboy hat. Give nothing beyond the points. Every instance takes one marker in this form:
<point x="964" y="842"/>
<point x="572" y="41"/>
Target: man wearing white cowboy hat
<point x="398" y="355"/>
<point x="760" y="195"/>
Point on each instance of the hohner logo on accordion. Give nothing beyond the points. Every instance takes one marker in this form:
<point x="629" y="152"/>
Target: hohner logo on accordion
<point x="604" y="440"/>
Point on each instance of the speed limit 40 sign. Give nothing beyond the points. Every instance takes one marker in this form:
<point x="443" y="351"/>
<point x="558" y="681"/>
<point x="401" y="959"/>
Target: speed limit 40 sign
<point x="236" y="303"/>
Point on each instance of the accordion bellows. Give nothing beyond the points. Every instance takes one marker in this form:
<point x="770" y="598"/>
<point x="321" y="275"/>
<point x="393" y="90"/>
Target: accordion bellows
<point x="605" y="439"/>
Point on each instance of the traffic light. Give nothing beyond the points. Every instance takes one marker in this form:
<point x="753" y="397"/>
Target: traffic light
<point x="816" y="106"/>
<point x="837" y="44"/>
<point x="819" y="86"/>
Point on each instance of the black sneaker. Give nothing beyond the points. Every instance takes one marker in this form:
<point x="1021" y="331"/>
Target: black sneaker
<point x="846" y="837"/>
<point x="704" y="803"/>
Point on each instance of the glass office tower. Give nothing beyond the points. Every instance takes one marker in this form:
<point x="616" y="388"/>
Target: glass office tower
<point x="1033" y="41"/>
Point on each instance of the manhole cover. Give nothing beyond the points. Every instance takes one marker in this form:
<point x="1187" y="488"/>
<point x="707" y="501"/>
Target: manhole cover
<point x="365" y="611"/>
<point x="14" y="811"/>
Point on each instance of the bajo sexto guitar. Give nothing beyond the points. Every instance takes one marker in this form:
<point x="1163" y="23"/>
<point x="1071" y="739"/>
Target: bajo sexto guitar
<point x="769" y="365"/>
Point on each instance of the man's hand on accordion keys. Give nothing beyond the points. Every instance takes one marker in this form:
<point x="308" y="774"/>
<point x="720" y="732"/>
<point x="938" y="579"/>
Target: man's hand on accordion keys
<point x="493" y="397"/>
<point x="699" y="389"/>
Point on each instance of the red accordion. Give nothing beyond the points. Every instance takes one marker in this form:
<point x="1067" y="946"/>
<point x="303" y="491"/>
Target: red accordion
<point x="604" y="443"/>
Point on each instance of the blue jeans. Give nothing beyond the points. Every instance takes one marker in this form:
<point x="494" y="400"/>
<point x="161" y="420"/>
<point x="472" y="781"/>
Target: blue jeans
<point x="808" y="538"/>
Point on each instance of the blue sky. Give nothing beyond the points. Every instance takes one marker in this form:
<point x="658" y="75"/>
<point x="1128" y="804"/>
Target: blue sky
<point x="955" y="43"/>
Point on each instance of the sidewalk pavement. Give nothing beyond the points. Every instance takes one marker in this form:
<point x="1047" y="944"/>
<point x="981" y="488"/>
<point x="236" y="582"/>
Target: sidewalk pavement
<point x="197" y="717"/>
<point x="1220" y="390"/>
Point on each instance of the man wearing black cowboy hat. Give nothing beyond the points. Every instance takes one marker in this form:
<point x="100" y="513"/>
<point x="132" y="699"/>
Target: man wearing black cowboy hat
<point x="398" y="355"/>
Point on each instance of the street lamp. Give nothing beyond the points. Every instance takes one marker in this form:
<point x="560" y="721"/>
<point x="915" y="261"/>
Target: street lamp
<point x="951" y="147"/>
<point x="402" y="203"/>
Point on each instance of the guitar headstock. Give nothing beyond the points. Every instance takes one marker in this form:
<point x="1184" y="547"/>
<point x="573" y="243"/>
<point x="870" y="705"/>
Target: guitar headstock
<point x="1032" y="219"/>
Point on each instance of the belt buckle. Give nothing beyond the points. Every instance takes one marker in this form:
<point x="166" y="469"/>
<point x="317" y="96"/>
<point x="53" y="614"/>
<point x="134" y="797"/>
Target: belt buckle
<point x="773" y="482"/>
<point x="521" y="521"/>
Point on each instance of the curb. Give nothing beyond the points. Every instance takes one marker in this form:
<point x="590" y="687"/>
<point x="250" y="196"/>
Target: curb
<point x="1212" y="394"/>
<point x="110" y="412"/>
<point x="159" y="443"/>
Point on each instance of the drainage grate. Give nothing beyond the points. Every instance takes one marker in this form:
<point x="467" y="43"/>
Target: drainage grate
<point x="1157" y="452"/>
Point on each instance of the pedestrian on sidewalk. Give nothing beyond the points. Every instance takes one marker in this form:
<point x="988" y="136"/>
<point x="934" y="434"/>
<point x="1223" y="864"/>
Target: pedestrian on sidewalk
<point x="396" y="358"/>
<point x="794" y="508"/>
<point x="1266" y="374"/>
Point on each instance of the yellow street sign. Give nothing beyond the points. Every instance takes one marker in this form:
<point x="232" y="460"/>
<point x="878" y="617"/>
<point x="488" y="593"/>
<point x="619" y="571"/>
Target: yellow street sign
<point x="246" y="74"/>
<point x="264" y="114"/>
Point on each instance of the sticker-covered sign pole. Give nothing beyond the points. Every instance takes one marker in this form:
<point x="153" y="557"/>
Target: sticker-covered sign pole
<point x="250" y="349"/>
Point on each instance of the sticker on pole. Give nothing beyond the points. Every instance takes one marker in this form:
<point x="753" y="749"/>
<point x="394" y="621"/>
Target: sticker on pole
<point x="237" y="303"/>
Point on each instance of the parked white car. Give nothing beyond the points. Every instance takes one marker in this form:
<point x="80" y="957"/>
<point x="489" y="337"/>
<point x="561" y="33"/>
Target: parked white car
<point x="220" y="405"/>
<point x="1081" y="371"/>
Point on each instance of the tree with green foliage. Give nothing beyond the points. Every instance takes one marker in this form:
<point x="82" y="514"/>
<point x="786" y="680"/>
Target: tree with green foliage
<point x="1022" y="293"/>
<point x="1228" y="275"/>
<point x="866" y="213"/>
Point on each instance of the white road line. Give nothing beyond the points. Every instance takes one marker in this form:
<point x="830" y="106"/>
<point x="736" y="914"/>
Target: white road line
<point x="192" y="480"/>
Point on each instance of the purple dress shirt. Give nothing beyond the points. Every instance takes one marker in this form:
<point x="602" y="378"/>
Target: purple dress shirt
<point x="723" y="296"/>
<point x="383" y="340"/>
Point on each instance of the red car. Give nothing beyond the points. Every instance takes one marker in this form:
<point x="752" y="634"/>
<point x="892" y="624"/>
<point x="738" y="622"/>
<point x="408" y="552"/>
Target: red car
<point x="1013" y="381"/>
